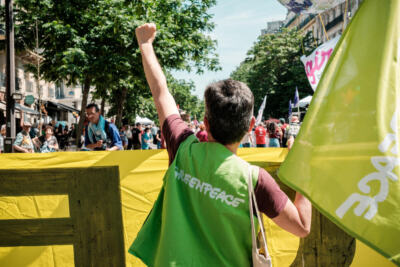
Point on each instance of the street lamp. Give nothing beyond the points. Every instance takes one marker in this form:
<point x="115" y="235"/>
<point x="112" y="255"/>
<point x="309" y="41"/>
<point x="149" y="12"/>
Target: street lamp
<point x="10" y="81"/>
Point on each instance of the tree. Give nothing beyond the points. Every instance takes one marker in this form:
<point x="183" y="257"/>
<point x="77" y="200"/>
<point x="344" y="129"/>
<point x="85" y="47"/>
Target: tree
<point x="273" y="68"/>
<point x="92" y="42"/>
<point x="142" y="104"/>
<point x="182" y="92"/>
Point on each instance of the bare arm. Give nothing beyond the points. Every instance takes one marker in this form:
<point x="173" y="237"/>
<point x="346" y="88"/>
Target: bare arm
<point x="21" y="149"/>
<point x="290" y="142"/>
<point x="163" y="99"/>
<point x="114" y="148"/>
<point x="296" y="217"/>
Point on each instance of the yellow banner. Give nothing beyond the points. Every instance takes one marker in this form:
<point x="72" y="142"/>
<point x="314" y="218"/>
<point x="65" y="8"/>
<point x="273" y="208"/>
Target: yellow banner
<point x="141" y="174"/>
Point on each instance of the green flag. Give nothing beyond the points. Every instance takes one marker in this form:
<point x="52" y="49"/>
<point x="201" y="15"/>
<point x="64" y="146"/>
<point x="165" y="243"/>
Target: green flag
<point x="346" y="157"/>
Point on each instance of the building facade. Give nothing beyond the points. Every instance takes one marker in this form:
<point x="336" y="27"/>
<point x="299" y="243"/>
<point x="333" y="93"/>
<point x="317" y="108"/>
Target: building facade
<point x="273" y="27"/>
<point x="58" y="101"/>
<point x="335" y="21"/>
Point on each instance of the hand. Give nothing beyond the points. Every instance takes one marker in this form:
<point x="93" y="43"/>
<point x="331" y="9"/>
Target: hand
<point x="99" y="143"/>
<point x="146" y="33"/>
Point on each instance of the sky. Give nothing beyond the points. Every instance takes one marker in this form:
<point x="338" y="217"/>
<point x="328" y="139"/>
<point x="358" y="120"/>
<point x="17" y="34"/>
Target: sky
<point x="238" y="24"/>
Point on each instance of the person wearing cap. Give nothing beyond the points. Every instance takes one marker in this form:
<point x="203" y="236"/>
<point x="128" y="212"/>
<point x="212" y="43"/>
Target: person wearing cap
<point x="292" y="131"/>
<point x="23" y="142"/>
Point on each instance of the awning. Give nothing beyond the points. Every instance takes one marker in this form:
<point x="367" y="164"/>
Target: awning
<point x="145" y="121"/>
<point x="26" y="109"/>
<point x="304" y="102"/>
<point x="62" y="106"/>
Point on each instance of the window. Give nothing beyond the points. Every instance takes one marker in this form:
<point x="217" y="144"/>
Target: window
<point x="17" y="83"/>
<point x="50" y="92"/>
<point x="59" y="94"/>
<point x="2" y="79"/>
<point x="29" y="86"/>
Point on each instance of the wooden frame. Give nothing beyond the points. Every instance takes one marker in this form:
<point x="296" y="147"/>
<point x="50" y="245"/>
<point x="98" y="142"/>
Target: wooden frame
<point x="94" y="227"/>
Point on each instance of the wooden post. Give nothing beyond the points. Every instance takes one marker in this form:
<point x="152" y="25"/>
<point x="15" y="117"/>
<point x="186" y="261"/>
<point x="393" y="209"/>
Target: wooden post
<point x="326" y="245"/>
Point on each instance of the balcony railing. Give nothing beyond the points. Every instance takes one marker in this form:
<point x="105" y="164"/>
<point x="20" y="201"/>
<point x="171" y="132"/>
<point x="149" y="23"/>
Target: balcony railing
<point x="334" y="22"/>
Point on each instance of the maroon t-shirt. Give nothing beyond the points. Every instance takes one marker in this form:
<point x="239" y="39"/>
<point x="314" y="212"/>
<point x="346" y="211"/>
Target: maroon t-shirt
<point x="270" y="198"/>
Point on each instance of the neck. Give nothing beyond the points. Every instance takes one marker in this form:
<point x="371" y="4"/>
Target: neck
<point x="231" y="147"/>
<point x="97" y="122"/>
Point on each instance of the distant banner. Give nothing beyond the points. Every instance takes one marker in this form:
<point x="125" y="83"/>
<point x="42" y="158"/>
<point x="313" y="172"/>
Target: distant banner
<point x="315" y="63"/>
<point x="261" y="110"/>
<point x="309" y="6"/>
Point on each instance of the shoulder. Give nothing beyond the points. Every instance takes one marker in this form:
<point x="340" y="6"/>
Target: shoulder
<point x="112" y="127"/>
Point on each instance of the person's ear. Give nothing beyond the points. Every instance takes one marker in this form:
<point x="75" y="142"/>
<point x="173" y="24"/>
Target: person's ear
<point x="206" y="124"/>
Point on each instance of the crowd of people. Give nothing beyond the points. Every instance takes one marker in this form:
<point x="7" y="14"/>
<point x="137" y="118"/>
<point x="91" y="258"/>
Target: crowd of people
<point x="99" y="134"/>
<point x="272" y="133"/>
<point x="36" y="138"/>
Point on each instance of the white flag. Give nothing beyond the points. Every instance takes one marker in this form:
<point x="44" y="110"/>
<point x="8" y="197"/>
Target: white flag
<point x="261" y="110"/>
<point x="316" y="62"/>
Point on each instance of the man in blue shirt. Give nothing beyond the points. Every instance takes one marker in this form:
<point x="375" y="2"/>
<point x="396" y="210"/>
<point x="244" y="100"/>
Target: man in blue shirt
<point x="100" y="134"/>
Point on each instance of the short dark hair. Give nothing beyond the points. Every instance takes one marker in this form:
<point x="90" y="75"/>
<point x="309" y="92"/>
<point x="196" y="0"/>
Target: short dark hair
<point x="93" y="105"/>
<point x="229" y="109"/>
<point x="49" y="127"/>
<point x="138" y="124"/>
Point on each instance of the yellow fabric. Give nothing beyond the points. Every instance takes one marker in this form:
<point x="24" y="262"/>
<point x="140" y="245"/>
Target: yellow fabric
<point x="141" y="175"/>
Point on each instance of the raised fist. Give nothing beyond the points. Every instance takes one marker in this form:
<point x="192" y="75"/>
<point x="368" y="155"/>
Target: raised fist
<point x="146" y="33"/>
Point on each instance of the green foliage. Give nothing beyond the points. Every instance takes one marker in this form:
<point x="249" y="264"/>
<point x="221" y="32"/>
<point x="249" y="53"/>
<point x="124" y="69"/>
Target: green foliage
<point x="273" y="67"/>
<point x="182" y="92"/>
<point x="93" y="42"/>
<point x="143" y="105"/>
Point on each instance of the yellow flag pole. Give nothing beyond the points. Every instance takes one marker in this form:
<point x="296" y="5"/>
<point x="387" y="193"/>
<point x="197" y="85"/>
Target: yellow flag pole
<point x="323" y="26"/>
<point x="345" y="16"/>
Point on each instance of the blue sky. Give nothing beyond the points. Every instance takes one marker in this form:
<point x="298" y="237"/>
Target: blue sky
<point x="238" y="24"/>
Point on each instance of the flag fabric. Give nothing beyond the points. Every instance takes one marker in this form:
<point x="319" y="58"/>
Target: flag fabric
<point x="346" y="157"/>
<point x="296" y="98"/>
<point x="290" y="108"/>
<point x="261" y="110"/>
<point x="315" y="63"/>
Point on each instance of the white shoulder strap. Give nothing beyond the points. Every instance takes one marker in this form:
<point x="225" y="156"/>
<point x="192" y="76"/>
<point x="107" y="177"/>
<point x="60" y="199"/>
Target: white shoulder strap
<point x="252" y="199"/>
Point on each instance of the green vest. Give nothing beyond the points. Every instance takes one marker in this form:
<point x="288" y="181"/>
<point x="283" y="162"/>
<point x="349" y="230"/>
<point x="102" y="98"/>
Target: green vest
<point x="201" y="216"/>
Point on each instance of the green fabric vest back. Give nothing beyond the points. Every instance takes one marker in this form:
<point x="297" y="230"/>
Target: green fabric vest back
<point x="201" y="216"/>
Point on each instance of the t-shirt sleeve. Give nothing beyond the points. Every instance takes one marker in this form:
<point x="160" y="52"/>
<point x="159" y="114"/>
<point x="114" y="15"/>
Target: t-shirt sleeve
<point x="116" y="138"/>
<point x="175" y="131"/>
<point x="270" y="198"/>
<point x="18" y="139"/>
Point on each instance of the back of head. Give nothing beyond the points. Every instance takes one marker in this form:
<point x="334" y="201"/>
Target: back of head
<point x="229" y="109"/>
<point x="272" y="127"/>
